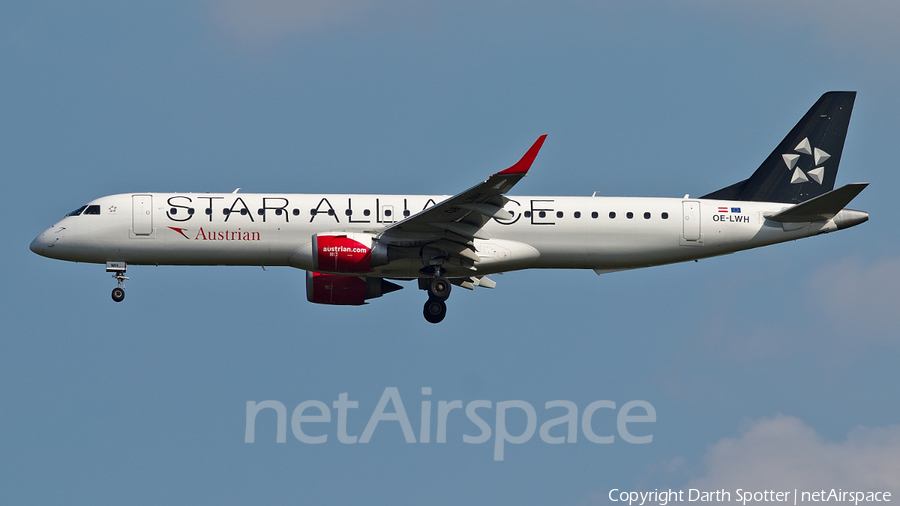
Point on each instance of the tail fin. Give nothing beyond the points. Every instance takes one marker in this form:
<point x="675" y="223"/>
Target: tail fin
<point x="805" y="164"/>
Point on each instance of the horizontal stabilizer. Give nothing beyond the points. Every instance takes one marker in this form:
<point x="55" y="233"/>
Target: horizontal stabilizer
<point x="821" y="208"/>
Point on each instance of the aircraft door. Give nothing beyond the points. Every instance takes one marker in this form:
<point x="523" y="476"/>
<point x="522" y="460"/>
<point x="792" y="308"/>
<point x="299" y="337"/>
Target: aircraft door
<point x="691" y="220"/>
<point x="142" y="214"/>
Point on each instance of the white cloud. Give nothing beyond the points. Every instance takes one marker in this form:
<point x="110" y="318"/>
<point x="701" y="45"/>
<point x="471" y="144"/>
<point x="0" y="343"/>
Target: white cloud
<point x="782" y="453"/>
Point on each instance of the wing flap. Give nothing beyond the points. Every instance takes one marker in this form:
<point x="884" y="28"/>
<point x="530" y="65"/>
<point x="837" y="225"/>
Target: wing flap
<point x="455" y="248"/>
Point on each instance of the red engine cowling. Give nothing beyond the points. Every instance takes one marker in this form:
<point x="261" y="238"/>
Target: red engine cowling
<point x="345" y="290"/>
<point x="334" y="289"/>
<point x="347" y="252"/>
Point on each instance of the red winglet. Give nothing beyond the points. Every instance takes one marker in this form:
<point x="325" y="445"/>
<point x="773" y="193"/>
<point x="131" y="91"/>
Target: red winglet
<point x="522" y="166"/>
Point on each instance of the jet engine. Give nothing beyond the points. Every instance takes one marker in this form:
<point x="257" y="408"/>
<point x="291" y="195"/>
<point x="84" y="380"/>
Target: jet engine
<point x="345" y="290"/>
<point x="346" y="252"/>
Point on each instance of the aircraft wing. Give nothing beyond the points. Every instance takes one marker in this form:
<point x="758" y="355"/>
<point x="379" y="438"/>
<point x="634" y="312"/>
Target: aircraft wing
<point x="464" y="214"/>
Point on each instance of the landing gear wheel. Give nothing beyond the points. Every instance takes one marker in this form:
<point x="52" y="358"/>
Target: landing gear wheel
<point x="118" y="294"/>
<point x="439" y="289"/>
<point x="435" y="311"/>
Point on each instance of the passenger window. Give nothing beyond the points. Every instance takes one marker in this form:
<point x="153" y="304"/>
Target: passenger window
<point x="542" y="214"/>
<point x="577" y="214"/>
<point x="366" y="212"/>
<point x="612" y="215"/>
<point x="296" y="212"/>
<point x="527" y="214"/>
<point x="406" y="212"/>
<point x="665" y="216"/>
<point x="559" y="214"/>
<point x="629" y="215"/>
<point x="646" y="216"/>
<point x="595" y="215"/>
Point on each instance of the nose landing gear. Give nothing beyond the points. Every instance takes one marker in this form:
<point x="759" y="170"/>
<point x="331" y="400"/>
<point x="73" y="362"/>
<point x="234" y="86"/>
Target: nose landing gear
<point x="118" y="293"/>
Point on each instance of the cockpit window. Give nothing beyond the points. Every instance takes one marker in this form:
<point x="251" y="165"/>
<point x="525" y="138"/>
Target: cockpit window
<point x="95" y="209"/>
<point x="77" y="211"/>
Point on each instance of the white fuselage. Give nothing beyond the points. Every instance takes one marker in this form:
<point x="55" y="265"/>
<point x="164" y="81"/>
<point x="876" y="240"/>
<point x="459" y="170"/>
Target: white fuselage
<point x="544" y="232"/>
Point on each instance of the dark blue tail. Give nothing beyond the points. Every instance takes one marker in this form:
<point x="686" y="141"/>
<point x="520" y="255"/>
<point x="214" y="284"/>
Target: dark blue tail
<point x="805" y="164"/>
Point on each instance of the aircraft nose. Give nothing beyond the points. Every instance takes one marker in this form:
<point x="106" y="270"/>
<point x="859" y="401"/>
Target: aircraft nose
<point x="42" y="243"/>
<point x="39" y="244"/>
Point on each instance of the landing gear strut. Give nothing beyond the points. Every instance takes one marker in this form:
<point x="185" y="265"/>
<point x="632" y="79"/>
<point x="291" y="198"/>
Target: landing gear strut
<point x="438" y="291"/>
<point x="118" y="293"/>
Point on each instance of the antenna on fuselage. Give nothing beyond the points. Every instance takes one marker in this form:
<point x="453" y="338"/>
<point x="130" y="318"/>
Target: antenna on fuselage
<point x="236" y="190"/>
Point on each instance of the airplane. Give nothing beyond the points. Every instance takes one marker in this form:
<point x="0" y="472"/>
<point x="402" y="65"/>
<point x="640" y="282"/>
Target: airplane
<point x="354" y="246"/>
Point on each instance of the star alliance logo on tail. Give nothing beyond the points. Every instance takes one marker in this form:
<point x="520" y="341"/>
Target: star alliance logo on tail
<point x="817" y="174"/>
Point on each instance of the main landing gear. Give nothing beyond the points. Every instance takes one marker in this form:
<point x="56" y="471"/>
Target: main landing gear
<point x="438" y="290"/>
<point x="118" y="293"/>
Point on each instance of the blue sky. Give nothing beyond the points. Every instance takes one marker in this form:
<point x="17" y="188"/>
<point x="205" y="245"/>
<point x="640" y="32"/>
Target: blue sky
<point x="772" y="368"/>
